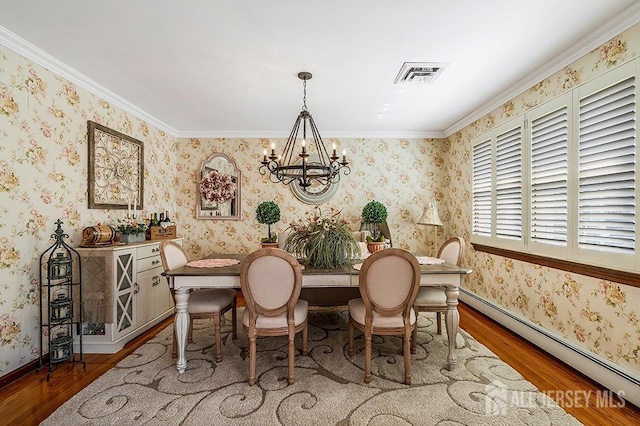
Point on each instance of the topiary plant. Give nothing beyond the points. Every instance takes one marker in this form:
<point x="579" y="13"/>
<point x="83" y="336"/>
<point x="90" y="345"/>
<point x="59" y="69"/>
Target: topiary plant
<point x="268" y="213"/>
<point x="373" y="214"/>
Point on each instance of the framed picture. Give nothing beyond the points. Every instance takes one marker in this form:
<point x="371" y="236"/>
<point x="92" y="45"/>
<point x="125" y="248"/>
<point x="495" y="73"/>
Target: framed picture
<point x="225" y="168"/>
<point x="116" y="169"/>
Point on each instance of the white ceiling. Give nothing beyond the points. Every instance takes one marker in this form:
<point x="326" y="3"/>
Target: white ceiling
<point x="229" y="68"/>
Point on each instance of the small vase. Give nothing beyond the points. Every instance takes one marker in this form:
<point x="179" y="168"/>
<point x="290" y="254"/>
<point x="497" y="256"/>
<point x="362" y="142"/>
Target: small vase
<point x="132" y="238"/>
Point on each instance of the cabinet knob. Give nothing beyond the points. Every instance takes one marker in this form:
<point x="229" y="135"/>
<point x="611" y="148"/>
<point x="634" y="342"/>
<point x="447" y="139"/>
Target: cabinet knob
<point x="155" y="250"/>
<point x="155" y="262"/>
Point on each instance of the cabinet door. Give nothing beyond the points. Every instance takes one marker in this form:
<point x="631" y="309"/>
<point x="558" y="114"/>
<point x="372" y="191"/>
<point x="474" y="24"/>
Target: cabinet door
<point x="154" y="297"/>
<point x="125" y="290"/>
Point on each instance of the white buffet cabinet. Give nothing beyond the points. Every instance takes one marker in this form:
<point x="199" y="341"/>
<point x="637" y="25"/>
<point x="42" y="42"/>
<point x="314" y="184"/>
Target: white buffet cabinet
<point x="125" y="294"/>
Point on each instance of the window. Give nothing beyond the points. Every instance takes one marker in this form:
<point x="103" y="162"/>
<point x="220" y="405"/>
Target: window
<point x="549" y="174"/>
<point x="563" y="183"/>
<point x="497" y="185"/>
<point x="509" y="184"/>
<point x="481" y="222"/>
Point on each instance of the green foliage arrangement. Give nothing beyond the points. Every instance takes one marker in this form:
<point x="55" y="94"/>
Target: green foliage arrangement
<point x="268" y="213"/>
<point x="322" y="241"/>
<point x="132" y="228"/>
<point x="373" y="214"/>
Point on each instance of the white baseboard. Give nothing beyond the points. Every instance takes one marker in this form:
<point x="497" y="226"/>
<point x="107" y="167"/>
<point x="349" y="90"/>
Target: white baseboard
<point x="609" y="375"/>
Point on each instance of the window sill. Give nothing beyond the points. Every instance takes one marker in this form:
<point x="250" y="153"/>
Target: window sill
<point x="622" y="277"/>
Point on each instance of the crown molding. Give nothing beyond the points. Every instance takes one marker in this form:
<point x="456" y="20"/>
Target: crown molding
<point x="625" y="20"/>
<point x="23" y="47"/>
<point x="325" y="135"/>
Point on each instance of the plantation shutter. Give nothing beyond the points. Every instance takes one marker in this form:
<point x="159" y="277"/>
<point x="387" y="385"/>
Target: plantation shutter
<point x="481" y="189"/>
<point x="549" y="172"/>
<point x="509" y="184"/>
<point x="606" y="169"/>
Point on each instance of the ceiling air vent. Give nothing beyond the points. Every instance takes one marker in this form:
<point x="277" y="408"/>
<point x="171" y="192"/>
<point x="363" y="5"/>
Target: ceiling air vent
<point x="419" y="72"/>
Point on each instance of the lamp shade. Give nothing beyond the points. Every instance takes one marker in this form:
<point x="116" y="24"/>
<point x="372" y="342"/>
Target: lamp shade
<point x="430" y="215"/>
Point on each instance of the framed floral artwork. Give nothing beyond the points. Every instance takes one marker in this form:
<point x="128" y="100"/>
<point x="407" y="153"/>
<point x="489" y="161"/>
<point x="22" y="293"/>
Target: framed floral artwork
<point x="218" y="189"/>
<point x="116" y="169"/>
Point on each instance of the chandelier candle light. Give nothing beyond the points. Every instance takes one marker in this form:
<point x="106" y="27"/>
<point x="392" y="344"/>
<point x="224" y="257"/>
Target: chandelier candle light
<point x="287" y="168"/>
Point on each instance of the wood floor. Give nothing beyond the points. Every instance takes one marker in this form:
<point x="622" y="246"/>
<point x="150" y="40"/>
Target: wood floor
<point x="31" y="399"/>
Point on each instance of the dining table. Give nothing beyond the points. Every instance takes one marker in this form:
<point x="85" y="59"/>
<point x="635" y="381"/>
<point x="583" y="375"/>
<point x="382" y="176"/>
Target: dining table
<point x="185" y="278"/>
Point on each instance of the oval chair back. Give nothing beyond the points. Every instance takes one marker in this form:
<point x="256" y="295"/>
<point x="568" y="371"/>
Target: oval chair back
<point x="389" y="281"/>
<point x="172" y="255"/>
<point x="451" y="251"/>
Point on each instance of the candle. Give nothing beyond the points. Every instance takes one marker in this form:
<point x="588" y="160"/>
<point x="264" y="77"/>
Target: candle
<point x="344" y="155"/>
<point x="334" y="149"/>
<point x="135" y="207"/>
<point x="273" y="148"/>
<point x="304" y="147"/>
<point x="128" y="206"/>
<point x="264" y="158"/>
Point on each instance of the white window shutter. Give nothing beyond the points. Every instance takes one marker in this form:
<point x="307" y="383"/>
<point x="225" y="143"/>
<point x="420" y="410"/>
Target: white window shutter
<point x="509" y="184"/>
<point x="481" y="221"/>
<point x="606" y="169"/>
<point x="549" y="175"/>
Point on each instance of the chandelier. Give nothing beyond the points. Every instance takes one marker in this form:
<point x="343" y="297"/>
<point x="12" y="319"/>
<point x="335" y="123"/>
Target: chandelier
<point x="313" y="164"/>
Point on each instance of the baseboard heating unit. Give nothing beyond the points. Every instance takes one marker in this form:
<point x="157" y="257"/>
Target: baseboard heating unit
<point x="591" y="365"/>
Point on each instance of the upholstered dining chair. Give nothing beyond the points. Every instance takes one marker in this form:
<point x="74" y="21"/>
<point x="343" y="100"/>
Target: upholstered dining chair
<point x="389" y="281"/>
<point x="203" y="303"/>
<point x="434" y="299"/>
<point x="271" y="281"/>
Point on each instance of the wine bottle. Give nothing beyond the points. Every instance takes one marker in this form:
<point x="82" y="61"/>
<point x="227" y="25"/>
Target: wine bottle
<point x="156" y="222"/>
<point x="166" y="216"/>
<point x="161" y="216"/>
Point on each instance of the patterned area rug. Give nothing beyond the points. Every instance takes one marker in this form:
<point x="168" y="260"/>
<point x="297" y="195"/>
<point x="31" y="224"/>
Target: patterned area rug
<point x="145" y="388"/>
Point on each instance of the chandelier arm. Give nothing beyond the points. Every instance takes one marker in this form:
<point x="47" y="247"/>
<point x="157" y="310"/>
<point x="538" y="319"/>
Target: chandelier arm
<point x="319" y="143"/>
<point x="287" y="154"/>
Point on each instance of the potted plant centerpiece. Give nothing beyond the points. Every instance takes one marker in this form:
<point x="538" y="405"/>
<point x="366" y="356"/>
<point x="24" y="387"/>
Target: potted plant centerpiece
<point x="322" y="241"/>
<point x="132" y="232"/>
<point x="268" y="213"/>
<point x="373" y="214"/>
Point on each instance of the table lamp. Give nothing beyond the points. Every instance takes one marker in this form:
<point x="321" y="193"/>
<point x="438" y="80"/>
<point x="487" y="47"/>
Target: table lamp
<point x="430" y="217"/>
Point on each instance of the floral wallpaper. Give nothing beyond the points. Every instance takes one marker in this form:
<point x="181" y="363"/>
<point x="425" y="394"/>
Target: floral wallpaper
<point x="43" y="178"/>
<point x="601" y="316"/>
<point x="403" y="174"/>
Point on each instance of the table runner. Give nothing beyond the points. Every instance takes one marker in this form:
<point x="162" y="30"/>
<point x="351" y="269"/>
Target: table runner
<point x="212" y="263"/>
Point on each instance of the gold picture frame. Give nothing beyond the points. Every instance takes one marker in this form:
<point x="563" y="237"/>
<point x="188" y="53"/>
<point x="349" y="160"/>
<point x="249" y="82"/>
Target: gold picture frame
<point x="116" y="169"/>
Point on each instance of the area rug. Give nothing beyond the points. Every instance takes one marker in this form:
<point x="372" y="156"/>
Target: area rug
<point x="145" y="387"/>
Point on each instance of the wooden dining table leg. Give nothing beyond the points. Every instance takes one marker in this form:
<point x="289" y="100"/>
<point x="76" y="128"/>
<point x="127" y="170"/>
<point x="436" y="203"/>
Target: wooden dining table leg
<point x="181" y="326"/>
<point x="452" y="319"/>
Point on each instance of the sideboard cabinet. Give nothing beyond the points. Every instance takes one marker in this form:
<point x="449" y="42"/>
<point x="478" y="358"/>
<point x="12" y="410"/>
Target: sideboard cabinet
<point x="124" y="294"/>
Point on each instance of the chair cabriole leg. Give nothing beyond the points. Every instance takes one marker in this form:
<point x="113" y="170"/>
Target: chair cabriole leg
<point x="367" y="358"/>
<point x="216" y="323"/>
<point x="350" y="338"/>
<point x="305" y="331"/>
<point x="252" y="360"/>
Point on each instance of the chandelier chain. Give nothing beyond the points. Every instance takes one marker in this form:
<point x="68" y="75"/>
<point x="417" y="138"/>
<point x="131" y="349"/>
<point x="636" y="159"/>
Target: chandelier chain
<point x="304" y="96"/>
